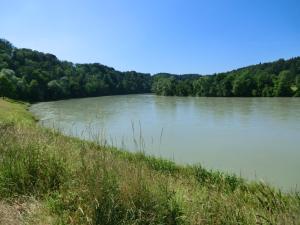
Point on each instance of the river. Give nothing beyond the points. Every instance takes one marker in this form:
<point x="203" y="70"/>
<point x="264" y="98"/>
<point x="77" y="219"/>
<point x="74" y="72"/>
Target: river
<point x="256" y="138"/>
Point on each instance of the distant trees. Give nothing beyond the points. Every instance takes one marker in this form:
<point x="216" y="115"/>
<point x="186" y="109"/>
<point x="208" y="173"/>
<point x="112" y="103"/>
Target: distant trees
<point x="283" y="84"/>
<point x="280" y="78"/>
<point x="168" y="84"/>
<point x="58" y="88"/>
<point x="297" y="86"/>
<point x="164" y="86"/>
<point x="203" y="86"/>
<point x="8" y="83"/>
<point x="35" y="76"/>
<point x="244" y="85"/>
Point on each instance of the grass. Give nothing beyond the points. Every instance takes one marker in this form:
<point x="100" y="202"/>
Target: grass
<point x="64" y="180"/>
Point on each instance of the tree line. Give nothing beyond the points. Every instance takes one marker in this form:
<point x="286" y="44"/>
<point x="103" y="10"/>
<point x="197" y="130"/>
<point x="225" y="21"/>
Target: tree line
<point x="276" y="79"/>
<point x="33" y="76"/>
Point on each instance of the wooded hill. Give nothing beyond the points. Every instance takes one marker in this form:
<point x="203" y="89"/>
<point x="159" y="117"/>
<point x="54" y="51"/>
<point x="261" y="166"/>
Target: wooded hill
<point x="33" y="76"/>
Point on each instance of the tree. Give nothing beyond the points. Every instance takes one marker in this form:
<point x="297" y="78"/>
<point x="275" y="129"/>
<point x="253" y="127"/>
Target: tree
<point x="55" y="89"/>
<point x="34" y="91"/>
<point x="164" y="86"/>
<point x="265" y="83"/>
<point x="283" y="84"/>
<point x="244" y="85"/>
<point x="8" y="82"/>
<point x="297" y="92"/>
<point x="202" y="86"/>
<point x="225" y="87"/>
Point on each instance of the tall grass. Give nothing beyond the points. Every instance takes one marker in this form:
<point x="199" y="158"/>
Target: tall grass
<point x="27" y="167"/>
<point x="81" y="182"/>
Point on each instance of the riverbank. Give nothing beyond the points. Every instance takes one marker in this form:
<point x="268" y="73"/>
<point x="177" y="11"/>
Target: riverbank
<point x="49" y="178"/>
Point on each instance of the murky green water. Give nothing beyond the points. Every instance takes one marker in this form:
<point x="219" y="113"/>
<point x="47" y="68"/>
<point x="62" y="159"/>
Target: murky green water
<point x="258" y="138"/>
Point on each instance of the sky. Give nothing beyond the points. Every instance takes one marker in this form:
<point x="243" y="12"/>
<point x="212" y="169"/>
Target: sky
<point x="175" y="36"/>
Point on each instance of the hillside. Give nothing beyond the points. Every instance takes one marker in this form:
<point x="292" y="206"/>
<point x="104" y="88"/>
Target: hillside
<point x="35" y="76"/>
<point x="277" y="79"/>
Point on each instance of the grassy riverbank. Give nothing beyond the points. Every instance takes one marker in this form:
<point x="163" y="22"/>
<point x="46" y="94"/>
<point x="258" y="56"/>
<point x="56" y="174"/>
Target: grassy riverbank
<point x="48" y="178"/>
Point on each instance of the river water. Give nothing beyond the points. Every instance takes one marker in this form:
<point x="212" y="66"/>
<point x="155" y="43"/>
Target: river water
<point x="257" y="138"/>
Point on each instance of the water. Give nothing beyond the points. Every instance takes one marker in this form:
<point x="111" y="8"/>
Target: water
<point x="257" y="138"/>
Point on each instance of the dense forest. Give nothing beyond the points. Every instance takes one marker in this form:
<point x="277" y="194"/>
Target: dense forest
<point x="276" y="79"/>
<point x="35" y="76"/>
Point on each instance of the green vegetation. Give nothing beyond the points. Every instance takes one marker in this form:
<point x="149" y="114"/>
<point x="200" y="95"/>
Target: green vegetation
<point x="64" y="180"/>
<point x="277" y="79"/>
<point x="34" y="76"/>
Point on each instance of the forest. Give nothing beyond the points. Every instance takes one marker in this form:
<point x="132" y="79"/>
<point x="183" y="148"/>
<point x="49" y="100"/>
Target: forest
<point x="276" y="79"/>
<point x="34" y="76"/>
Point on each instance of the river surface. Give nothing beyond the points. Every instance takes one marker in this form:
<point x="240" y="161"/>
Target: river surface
<point x="257" y="138"/>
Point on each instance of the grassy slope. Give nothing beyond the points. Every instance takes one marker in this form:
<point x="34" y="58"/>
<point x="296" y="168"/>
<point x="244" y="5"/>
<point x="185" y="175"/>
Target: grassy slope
<point x="63" y="180"/>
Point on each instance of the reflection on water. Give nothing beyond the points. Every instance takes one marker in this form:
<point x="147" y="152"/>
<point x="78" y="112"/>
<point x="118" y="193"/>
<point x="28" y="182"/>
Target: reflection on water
<point x="258" y="138"/>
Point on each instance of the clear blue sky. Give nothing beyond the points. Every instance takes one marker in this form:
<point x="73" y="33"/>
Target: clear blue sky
<point x="177" y="36"/>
